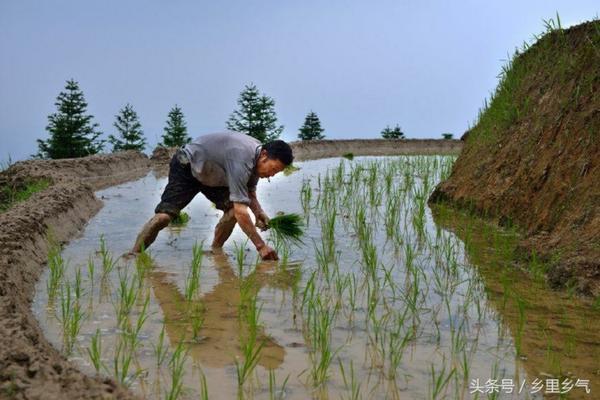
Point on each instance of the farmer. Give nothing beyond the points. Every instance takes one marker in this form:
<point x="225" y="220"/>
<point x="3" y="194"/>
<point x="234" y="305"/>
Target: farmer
<point x="225" y="167"/>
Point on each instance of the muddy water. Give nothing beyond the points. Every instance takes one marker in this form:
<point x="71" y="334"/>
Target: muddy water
<point x="467" y="325"/>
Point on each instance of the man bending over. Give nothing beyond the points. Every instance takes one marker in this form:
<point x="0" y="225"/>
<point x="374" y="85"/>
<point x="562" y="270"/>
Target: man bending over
<point x="225" y="168"/>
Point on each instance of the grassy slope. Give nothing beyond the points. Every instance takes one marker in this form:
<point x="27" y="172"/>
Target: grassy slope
<point x="11" y="195"/>
<point x="532" y="157"/>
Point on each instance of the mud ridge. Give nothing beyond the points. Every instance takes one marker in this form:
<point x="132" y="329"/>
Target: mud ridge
<point x="532" y="159"/>
<point x="315" y="149"/>
<point x="30" y="368"/>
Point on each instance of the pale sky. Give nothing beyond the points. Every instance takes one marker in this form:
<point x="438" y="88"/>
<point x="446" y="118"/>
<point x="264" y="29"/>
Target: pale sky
<point x="360" y="65"/>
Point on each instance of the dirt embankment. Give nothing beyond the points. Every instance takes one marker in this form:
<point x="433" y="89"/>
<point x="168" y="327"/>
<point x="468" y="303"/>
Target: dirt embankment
<point x="533" y="158"/>
<point x="314" y="149"/>
<point x="30" y="368"/>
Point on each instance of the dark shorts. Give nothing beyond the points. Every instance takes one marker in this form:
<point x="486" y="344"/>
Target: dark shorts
<point x="183" y="187"/>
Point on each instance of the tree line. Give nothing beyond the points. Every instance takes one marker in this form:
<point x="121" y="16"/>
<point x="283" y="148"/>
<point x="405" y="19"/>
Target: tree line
<point x="72" y="132"/>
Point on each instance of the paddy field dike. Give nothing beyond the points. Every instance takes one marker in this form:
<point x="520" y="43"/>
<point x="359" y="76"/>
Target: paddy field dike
<point x="532" y="159"/>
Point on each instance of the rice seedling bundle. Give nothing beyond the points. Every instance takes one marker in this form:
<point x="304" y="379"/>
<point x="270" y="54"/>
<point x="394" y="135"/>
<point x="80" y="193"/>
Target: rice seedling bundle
<point x="287" y="228"/>
<point x="180" y="220"/>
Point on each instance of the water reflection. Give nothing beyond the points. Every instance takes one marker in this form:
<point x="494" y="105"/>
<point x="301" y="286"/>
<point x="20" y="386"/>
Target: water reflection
<point x="558" y="335"/>
<point x="218" y="342"/>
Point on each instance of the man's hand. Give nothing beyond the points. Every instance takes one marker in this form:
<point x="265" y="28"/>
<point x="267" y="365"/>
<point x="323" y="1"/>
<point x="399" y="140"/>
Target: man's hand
<point x="262" y="221"/>
<point x="267" y="253"/>
<point x="240" y="211"/>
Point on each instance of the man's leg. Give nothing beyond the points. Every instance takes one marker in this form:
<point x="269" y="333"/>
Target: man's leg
<point x="224" y="228"/>
<point x="179" y="192"/>
<point x="150" y="231"/>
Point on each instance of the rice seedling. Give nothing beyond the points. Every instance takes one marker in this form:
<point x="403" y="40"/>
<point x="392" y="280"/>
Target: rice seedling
<point x="397" y="340"/>
<point x="122" y="364"/>
<point x="249" y="316"/>
<point x="71" y="317"/>
<point x="95" y="351"/>
<point x="351" y="381"/>
<point x="309" y="290"/>
<point x="392" y="219"/>
<point x="108" y="263"/>
<point x="127" y="293"/>
<point x="285" y="257"/>
<point x="132" y="332"/>
<point x="240" y="257"/>
<point x="160" y="349"/>
<point x="520" y="324"/>
<point x="251" y="355"/>
<point x="274" y="393"/>
<point x="323" y="257"/>
<point x="91" y="269"/>
<point x="192" y="283"/>
<point x="77" y="288"/>
<point x="320" y="319"/>
<point x="180" y="220"/>
<point x="203" y="386"/>
<point x="56" y="266"/>
<point x="420" y="199"/>
<point x="177" y="364"/>
<point x="439" y="381"/>
<point x="305" y="196"/>
<point x="328" y="236"/>
<point x="348" y="156"/>
<point x="143" y="263"/>
<point x="197" y="319"/>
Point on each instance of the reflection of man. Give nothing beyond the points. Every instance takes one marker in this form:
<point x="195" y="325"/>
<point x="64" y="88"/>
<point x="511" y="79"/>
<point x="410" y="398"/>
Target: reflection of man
<point x="221" y="325"/>
<point x="225" y="167"/>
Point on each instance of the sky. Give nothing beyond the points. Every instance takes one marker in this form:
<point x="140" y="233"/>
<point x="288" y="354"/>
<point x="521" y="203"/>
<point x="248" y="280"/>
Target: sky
<point x="360" y="65"/>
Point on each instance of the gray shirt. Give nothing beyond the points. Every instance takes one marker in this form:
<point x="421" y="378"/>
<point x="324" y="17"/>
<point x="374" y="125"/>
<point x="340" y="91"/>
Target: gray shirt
<point x="226" y="159"/>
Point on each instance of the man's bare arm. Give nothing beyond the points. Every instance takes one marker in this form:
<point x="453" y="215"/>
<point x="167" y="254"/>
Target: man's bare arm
<point x="243" y="219"/>
<point x="262" y="219"/>
<point x="254" y="204"/>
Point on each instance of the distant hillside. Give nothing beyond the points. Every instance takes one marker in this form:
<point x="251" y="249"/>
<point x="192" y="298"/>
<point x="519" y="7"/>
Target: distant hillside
<point x="533" y="156"/>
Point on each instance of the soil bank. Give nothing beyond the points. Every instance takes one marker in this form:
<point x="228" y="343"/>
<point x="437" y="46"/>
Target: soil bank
<point x="533" y="157"/>
<point x="314" y="149"/>
<point x="30" y="368"/>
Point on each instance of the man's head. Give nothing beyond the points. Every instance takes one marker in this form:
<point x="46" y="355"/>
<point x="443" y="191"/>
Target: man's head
<point x="274" y="157"/>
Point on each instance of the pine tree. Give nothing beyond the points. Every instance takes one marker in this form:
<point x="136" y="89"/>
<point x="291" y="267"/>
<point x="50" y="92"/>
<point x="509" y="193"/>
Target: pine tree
<point x="72" y="133"/>
<point x="311" y="130"/>
<point x="256" y="116"/>
<point x="131" y="136"/>
<point x="176" y="130"/>
<point x="395" y="133"/>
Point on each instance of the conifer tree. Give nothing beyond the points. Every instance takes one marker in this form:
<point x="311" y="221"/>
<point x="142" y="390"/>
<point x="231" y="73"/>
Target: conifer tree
<point x="72" y="132"/>
<point x="256" y="116"/>
<point x="311" y="130"/>
<point x="389" y="133"/>
<point x="176" y="129"/>
<point x="129" y="128"/>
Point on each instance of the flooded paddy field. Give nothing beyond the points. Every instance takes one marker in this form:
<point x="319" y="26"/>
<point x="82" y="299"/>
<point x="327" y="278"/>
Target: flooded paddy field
<point x="384" y="298"/>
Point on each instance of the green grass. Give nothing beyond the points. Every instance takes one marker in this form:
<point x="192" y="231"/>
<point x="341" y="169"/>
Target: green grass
<point x="10" y="195"/>
<point x="348" y="156"/>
